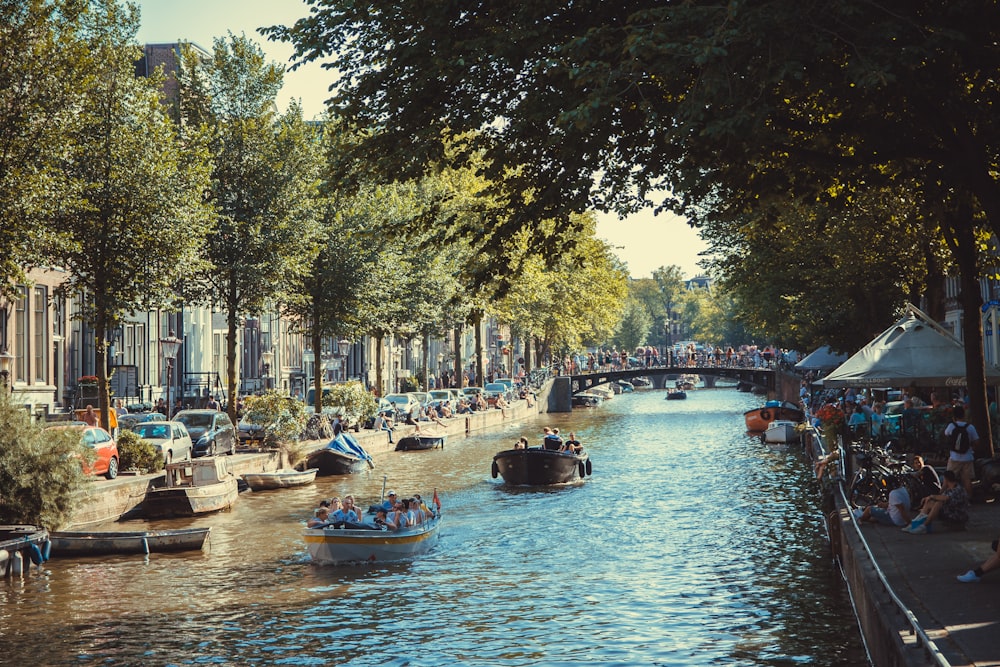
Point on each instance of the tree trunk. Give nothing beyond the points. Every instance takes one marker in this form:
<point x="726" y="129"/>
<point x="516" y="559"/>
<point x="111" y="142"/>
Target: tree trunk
<point x="380" y="389"/>
<point x="101" y="361"/>
<point x="317" y="341"/>
<point x="477" y="323"/>
<point x="457" y="345"/>
<point x="426" y="340"/>
<point x="230" y="354"/>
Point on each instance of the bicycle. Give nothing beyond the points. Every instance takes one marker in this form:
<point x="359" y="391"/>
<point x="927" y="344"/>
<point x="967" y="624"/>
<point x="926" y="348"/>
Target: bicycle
<point x="870" y="485"/>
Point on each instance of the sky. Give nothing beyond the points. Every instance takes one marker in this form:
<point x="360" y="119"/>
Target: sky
<point x="644" y="241"/>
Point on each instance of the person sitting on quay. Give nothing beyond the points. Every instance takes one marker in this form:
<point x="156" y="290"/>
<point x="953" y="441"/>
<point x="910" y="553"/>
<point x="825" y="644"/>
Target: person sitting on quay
<point x="894" y="512"/>
<point x="464" y="408"/>
<point x="383" y="424"/>
<point x="952" y="505"/>
<point x="927" y="478"/>
<point x="988" y="565"/>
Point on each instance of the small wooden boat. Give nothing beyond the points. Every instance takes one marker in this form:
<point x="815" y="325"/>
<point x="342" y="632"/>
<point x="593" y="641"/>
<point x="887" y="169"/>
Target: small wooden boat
<point x="757" y="420"/>
<point x="419" y="441"/>
<point x="333" y="546"/>
<point x="279" y="479"/>
<point x="342" y="456"/>
<point x="641" y="382"/>
<point x="781" y="432"/>
<point x="193" y="487"/>
<point x="101" y="543"/>
<point x="676" y="395"/>
<point x="536" y="466"/>
<point x="32" y="542"/>
<point x="586" y="399"/>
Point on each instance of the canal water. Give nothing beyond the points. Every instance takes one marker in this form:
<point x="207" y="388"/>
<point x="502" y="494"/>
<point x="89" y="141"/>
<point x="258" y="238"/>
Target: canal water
<point x="692" y="544"/>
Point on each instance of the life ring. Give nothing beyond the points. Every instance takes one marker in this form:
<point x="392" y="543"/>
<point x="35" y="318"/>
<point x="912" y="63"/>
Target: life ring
<point x="765" y="414"/>
<point x="495" y="470"/>
<point x="583" y="470"/>
<point x="590" y="469"/>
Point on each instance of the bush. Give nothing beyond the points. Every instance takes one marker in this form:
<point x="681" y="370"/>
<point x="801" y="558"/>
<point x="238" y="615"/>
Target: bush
<point x="134" y="453"/>
<point x="352" y="402"/>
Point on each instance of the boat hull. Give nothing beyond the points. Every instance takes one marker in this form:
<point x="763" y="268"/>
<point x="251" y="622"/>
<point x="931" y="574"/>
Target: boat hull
<point x="330" y="462"/>
<point x="279" y="479"/>
<point x="587" y="400"/>
<point x="781" y="432"/>
<point x="758" y="420"/>
<point x="335" y="546"/>
<point x="418" y="442"/>
<point x="540" y="467"/>
<point x="28" y="540"/>
<point x="133" y="542"/>
<point x="190" y="500"/>
<point x="676" y="395"/>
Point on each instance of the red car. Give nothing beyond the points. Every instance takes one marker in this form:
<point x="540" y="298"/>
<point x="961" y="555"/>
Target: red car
<point x="104" y="447"/>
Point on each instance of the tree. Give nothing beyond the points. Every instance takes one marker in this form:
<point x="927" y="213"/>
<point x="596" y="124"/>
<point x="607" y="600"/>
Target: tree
<point x="670" y="282"/>
<point x="264" y="182"/>
<point x="42" y="57"/>
<point x="134" y="209"/>
<point x="634" y="326"/>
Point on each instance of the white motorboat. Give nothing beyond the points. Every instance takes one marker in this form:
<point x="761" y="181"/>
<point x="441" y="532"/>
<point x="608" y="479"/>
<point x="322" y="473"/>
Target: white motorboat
<point x="781" y="431"/>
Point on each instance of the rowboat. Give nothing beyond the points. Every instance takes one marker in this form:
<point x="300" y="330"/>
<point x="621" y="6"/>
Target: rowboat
<point x="418" y="441"/>
<point x="100" y="543"/>
<point x="333" y="546"/>
<point x="781" y="431"/>
<point x="279" y="479"/>
<point x="342" y="456"/>
<point x="586" y="399"/>
<point x="192" y="487"/>
<point x="536" y="466"/>
<point x="757" y="420"/>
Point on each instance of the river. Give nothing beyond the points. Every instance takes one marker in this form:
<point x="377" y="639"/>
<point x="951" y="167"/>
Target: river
<point x="692" y="544"/>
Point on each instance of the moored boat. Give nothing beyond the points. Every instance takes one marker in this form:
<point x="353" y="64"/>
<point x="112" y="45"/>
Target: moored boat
<point x="101" y="543"/>
<point x="279" y="479"/>
<point x="342" y="456"/>
<point x="419" y="441"/>
<point x="758" y="419"/>
<point x="676" y="395"/>
<point x="333" y="546"/>
<point x="536" y="466"/>
<point x="193" y="487"/>
<point x="781" y="432"/>
<point x="586" y="399"/>
<point x="32" y="542"/>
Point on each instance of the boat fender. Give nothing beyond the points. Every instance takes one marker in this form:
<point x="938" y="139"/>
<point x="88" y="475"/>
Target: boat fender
<point x="583" y="470"/>
<point x="35" y="553"/>
<point x="590" y="468"/>
<point x="46" y="550"/>
<point x="765" y="415"/>
<point x="495" y="470"/>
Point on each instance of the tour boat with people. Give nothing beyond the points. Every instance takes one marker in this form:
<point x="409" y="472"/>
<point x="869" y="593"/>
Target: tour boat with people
<point x="192" y="487"/>
<point x="368" y="542"/>
<point x="759" y="419"/>
<point x="537" y="466"/>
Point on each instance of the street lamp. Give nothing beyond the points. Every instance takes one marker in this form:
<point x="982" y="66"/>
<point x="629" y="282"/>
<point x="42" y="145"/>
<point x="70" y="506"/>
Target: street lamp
<point x="6" y="359"/>
<point x="343" y="346"/>
<point x="267" y="357"/>
<point x="169" y="347"/>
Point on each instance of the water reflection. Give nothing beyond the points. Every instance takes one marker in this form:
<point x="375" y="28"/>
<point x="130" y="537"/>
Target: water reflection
<point x="691" y="545"/>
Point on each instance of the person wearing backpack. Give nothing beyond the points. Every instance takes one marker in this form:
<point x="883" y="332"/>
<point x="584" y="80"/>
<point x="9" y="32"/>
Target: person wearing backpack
<point x="962" y="440"/>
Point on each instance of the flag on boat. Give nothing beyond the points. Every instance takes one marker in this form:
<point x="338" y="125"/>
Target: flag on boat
<point x="436" y="500"/>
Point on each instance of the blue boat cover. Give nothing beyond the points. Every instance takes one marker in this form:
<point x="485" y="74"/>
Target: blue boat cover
<point x="346" y="444"/>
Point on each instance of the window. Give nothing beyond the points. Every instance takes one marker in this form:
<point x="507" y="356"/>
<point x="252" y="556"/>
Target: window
<point x="40" y="335"/>
<point x="19" y="372"/>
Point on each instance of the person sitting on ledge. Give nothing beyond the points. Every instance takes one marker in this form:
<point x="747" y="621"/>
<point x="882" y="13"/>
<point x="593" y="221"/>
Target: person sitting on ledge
<point x="895" y="512"/>
<point x="952" y="505"/>
<point x="991" y="563"/>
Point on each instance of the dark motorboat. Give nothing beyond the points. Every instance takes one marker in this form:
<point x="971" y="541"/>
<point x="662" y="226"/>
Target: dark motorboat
<point x="100" y="543"/>
<point x="586" y="399"/>
<point x="419" y="441"/>
<point x="641" y="382"/>
<point x="759" y="419"/>
<point x="536" y="466"/>
<point x="676" y="395"/>
<point x="343" y="456"/>
<point x="626" y="387"/>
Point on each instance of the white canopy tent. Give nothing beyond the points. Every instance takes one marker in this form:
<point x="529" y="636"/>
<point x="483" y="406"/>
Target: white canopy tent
<point x="915" y="351"/>
<point x="821" y="359"/>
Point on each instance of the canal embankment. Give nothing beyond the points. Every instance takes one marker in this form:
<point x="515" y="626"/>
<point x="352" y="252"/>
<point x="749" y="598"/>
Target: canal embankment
<point x="911" y="609"/>
<point x="104" y="501"/>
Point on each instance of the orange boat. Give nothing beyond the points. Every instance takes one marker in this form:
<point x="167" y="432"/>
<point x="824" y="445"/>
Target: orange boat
<point x="759" y="418"/>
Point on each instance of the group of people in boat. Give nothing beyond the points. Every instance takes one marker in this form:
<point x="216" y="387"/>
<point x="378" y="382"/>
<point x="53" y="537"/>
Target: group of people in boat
<point x="393" y="513"/>
<point x="552" y="441"/>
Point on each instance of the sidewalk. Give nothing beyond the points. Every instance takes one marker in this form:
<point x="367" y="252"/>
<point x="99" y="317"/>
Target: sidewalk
<point x="962" y="619"/>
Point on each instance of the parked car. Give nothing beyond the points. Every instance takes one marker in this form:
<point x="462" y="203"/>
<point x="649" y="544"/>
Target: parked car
<point x="472" y="391"/>
<point x="441" y="395"/>
<point x="422" y="397"/>
<point x="494" y="390"/>
<point x="133" y="419"/>
<point x="212" y="432"/>
<point x="104" y="447"/>
<point x="404" y="403"/>
<point x="250" y="433"/>
<point x="170" y="439"/>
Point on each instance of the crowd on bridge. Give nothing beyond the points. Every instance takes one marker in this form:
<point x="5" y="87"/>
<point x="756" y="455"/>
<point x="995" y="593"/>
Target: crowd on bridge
<point x="691" y="355"/>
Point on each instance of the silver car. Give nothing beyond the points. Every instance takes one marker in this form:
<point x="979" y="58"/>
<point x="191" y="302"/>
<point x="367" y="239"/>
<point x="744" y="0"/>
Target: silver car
<point x="171" y="439"/>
